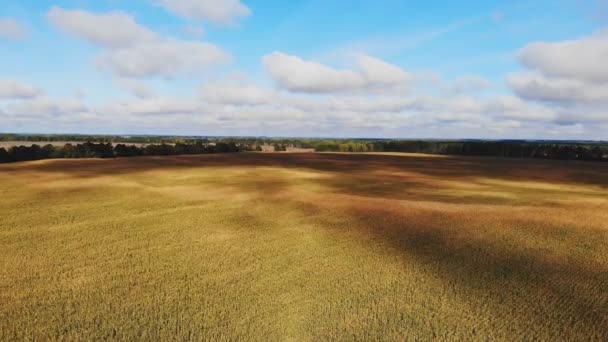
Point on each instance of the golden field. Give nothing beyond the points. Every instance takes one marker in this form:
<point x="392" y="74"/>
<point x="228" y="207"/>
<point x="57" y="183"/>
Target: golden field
<point x="305" y="247"/>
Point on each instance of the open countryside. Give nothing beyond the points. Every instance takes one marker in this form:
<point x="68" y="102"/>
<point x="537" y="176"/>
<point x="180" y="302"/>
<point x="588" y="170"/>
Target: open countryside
<point x="307" y="247"/>
<point x="305" y="170"/>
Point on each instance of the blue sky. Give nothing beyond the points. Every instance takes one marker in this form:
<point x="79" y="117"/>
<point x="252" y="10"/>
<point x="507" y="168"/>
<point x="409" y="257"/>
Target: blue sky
<point x="385" y="68"/>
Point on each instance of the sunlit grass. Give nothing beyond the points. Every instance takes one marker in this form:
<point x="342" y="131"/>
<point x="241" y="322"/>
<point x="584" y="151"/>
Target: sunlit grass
<point x="303" y="247"/>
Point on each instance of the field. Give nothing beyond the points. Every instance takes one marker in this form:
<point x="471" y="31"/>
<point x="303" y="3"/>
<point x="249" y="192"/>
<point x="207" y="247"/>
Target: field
<point x="306" y="247"/>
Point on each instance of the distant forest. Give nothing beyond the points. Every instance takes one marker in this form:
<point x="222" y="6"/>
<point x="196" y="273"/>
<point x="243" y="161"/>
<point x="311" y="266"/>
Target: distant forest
<point x="512" y="149"/>
<point x="108" y="150"/>
<point x="80" y="146"/>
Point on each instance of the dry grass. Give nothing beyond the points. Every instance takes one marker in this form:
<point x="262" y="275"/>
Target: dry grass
<point x="303" y="247"/>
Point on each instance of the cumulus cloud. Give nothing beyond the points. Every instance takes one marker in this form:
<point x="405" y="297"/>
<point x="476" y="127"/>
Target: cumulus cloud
<point x="459" y="105"/>
<point x="597" y="116"/>
<point x="44" y="107"/>
<point x="240" y="91"/>
<point x="167" y="58"/>
<point x="511" y="107"/>
<point x="378" y="72"/>
<point x="238" y="106"/>
<point x="583" y="59"/>
<point x="132" y="50"/>
<point x="113" y="30"/>
<point x="296" y="74"/>
<point x="11" y="29"/>
<point x="194" y="31"/>
<point x="569" y="77"/>
<point x="535" y="86"/>
<point x="219" y="12"/>
<point x="563" y="91"/>
<point x="384" y="110"/>
<point x="387" y="103"/>
<point x="11" y="89"/>
<point x="161" y="105"/>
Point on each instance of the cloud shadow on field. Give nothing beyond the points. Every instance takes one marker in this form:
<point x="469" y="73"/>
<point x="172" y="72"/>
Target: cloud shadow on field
<point x="467" y="251"/>
<point x="499" y="275"/>
<point x="594" y="173"/>
<point x="409" y="177"/>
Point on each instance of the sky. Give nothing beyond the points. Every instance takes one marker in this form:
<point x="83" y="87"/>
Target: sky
<point x="306" y="68"/>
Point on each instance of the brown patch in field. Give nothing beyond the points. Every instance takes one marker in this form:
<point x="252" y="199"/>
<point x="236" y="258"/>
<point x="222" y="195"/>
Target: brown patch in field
<point x="317" y="246"/>
<point x="457" y="168"/>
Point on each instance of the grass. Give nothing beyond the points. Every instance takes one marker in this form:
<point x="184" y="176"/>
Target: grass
<point x="304" y="247"/>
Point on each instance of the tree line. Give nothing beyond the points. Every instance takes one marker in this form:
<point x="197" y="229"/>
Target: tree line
<point x="107" y="150"/>
<point x="512" y="149"/>
<point x="118" y="146"/>
<point x="154" y="139"/>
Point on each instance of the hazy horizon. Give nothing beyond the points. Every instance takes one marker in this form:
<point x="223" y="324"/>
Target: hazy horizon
<point x="277" y="137"/>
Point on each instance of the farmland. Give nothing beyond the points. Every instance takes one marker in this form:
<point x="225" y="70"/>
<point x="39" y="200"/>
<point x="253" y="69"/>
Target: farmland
<point x="306" y="247"/>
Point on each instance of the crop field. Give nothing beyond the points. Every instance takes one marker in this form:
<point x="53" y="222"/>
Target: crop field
<point x="305" y="247"/>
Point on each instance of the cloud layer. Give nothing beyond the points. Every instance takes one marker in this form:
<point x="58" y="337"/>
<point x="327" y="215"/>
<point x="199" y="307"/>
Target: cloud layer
<point x="296" y="74"/>
<point x="11" y="89"/>
<point x="583" y="59"/>
<point x="131" y="50"/>
<point x="168" y="84"/>
<point x="569" y="77"/>
<point x="223" y="12"/>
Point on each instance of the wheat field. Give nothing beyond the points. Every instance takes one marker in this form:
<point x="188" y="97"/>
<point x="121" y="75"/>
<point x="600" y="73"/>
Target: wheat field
<point x="305" y="247"/>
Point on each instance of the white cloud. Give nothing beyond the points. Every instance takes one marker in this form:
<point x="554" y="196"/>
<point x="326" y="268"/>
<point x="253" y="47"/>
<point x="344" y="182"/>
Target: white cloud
<point x="296" y="74"/>
<point x="10" y="89"/>
<point x="222" y="12"/>
<point x="44" y="107"/>
<point x="571" y="115"/>
<point x="582" y="59"/>
<point x="194" y="31"/>
<point x="512" y="107"/>
<point x="240" y="91"/>
<point x="112" y="30"/>
<point x="378" y="72"/>
<point x="11" y="29"/>
<point x="132" y="50"/>
<point x="572" y="129"/>
<point x="238" y="106"/>
<point x="159" y="106"/>
<point x="388" y="103"/>
<point x="460" y="104"/>
<point x="569" y="79"/>
<point x="535" y="86"/>
<point x="165" y="58"/>
<point x="505" y="125"/>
